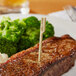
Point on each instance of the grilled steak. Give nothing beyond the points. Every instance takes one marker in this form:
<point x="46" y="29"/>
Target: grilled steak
<point x="58" y="56"/>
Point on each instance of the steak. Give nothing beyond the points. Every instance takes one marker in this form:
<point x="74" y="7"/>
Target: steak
<point x="58" y="56"/>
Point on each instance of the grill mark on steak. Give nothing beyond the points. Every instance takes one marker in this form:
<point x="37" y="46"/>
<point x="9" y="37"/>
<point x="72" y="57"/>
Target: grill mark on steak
<point x="59" y="67"/>
<point x="55" y="51"/>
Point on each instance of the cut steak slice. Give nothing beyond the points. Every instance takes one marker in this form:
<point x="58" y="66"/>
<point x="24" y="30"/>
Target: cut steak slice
<point x="58" y="56"/>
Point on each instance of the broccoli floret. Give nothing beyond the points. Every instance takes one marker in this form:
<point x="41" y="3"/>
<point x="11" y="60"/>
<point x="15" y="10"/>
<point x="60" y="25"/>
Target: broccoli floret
<point x="7" y="47"/>
<point x="32" y="22"/>
<point x="12" y="30"/>
<point x="24" y="43"/>
<point x="32" y="33"/>
<point x="49" y="31"/>
<point x="29" y="40"/>
<point x="10" y="34"/>
<point x="17" y="35"/>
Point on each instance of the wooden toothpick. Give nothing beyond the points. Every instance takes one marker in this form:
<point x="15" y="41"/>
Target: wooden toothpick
<point x="42" y="30"/>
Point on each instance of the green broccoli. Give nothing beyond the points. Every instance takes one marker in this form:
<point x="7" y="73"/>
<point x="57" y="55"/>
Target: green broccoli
<point x="49" y="31"/>
<point x="10" y="33"/>
<point x="7" y="47"/>
<point x="28" y="40"/>
<point x="32" y="33"/>
<point x="12" y="30"/>
<point x="17" y="35"/>
<point x="29" y="37"/>
<point x="24" y="43"/>
<point x="32" y="22"/>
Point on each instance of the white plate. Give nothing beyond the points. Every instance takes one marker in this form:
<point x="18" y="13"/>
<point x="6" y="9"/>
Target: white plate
<point x="61" y="27"/>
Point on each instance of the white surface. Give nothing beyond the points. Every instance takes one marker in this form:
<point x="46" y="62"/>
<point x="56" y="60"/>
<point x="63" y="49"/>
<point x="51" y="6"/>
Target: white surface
<point x="60" y="14"/>
<point x="61" y="27"/>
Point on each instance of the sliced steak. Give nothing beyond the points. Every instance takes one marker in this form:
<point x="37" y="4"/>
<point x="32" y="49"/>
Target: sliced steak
<point x="58" y="56"/>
